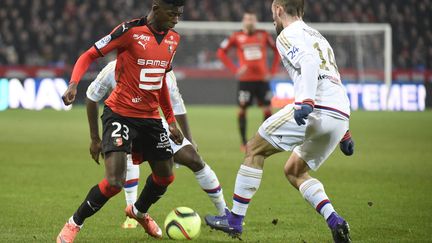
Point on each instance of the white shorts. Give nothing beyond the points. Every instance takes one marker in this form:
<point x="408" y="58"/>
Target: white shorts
<point x="313" y="142"/>
<point x="175" y="146"/>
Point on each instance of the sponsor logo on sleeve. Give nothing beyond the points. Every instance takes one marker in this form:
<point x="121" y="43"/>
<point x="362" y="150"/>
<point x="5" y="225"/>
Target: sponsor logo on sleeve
<point x="103" y="42"/>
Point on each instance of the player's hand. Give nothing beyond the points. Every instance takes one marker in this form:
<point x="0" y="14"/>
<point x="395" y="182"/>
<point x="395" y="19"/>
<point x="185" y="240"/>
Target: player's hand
<point x="175" y="134"/>
<point x="69" y="95"/>
<point x="346" y="145"/>
<point x="301" y="112"/>
<point x="242" y="70"/>
<point x="95" y="149"/>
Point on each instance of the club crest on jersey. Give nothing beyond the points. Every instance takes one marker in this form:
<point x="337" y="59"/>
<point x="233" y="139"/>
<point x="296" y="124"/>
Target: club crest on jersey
<point x="170" y="40"/>
<point x="241" y="38"/>
<point x="170" y="49"/>
<point x="118" y="142"/>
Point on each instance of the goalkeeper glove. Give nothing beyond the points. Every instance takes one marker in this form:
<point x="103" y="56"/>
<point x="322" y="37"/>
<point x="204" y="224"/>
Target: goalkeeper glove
<point x="347" y="144"/>
<point x="302" y="111"/>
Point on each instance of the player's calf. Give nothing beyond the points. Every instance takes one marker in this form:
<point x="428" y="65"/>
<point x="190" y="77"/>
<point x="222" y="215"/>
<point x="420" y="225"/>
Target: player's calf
<point x="312" y="190"/>
<point x="95" y="200"/>
<point x="296" y="170"/>
<point x="189" y="157"/>
<point x="209" y="182"/>
<point x="153" y="190"/>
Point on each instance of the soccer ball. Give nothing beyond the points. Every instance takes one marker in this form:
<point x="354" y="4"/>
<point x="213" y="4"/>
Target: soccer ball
<point x="183" y="223"/>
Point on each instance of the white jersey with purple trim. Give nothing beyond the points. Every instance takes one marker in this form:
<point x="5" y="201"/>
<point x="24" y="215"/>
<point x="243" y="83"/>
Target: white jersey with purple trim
<point x="105" y="82"/>
<point x="310" y="62"/>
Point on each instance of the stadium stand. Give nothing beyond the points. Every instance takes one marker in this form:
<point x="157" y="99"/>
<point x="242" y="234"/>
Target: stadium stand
<point x="53" y="33"/>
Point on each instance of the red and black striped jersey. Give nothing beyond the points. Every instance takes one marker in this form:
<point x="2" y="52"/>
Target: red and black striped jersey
<point x="143" y="58"/>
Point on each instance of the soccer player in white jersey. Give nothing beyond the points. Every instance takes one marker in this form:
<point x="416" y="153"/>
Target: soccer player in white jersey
<point x="311" y="128"/>
<point x="184" y="154"/>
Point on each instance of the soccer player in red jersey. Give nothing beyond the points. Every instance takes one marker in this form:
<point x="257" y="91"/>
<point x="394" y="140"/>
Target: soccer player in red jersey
<point x="145" y="49"/>
<point x="252" y="72"/>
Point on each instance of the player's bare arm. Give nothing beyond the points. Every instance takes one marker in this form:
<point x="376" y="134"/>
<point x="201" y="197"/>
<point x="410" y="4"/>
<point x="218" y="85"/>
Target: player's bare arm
<point x="183" y="123"/>
<point x="166" y="106"/>
<point x="79" y="70"/>
<point x="92" y="117"/>
<point x="176" y="134"/>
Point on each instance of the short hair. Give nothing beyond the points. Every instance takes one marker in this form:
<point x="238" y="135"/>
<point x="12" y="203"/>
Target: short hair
<point x="176" y="3"/>
<point x="292" y="7"/>
<point x="250" y="11"/>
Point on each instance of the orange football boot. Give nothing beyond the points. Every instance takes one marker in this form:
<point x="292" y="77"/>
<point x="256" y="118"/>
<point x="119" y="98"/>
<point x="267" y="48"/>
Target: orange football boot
<point x="68" y="233"/>
<point x="149" y="225"/>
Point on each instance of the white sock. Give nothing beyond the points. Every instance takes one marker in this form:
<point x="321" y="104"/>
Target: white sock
<point x="312" y="191"/>
<point x="137" y="212"/>
<point x="71" y="221"/>
<point x="131" y="184"/>
<point x="247" y="183"/>
<point x="210" y="184"/>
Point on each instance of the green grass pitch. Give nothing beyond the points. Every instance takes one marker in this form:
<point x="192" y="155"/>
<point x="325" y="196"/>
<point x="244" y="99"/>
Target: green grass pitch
<point x="384" y="190"/>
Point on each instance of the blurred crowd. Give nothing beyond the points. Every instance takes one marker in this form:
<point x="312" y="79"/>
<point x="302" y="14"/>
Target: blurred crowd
<point x="55" y="32"/>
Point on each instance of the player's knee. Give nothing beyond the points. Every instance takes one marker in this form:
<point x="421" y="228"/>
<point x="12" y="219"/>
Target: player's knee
<point x="110" y="187"/>
<point x="117" y="183"/>
<point x="195" y="162"/>
<point x="242" y="111"/>
<point x="190" y="158"/>
<point x="253" y="147"/>
<point x="163" y="180"/>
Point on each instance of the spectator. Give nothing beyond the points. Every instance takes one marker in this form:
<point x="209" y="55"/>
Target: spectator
<point x="55" y="32"/>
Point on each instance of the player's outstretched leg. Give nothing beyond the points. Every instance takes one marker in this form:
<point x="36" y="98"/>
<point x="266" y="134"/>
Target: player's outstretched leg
<point x="205" y="176"/>
<point x="131" y="190"/>
<point x="312" y="190"/>
<point x="115" y="166"/>
<point x="247" y="183"/>
<point x="156" y="185"/>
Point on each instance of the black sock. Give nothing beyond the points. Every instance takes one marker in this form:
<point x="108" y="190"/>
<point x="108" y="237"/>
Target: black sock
<point x="242" y="127"/>
<point x="93" y="202"/>
<point x="151" y="193"/>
